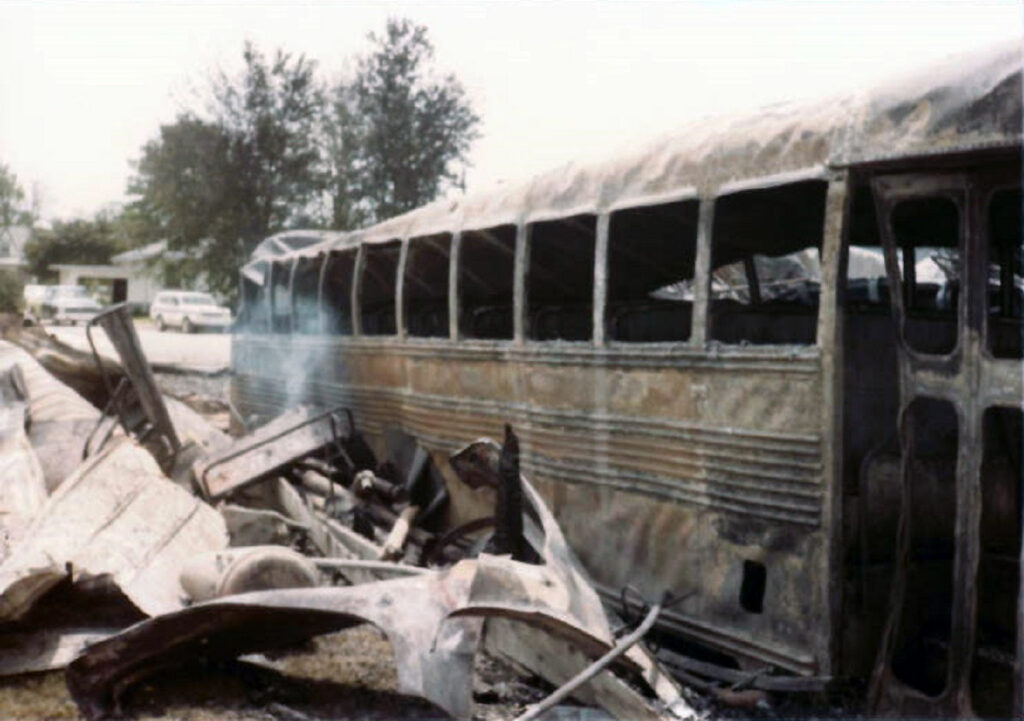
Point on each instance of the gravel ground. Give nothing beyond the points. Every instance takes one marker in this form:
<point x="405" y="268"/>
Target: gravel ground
<point x="349" y="675"/>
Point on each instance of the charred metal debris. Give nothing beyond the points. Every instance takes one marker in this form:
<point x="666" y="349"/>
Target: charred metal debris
<point x="168" y="544"/>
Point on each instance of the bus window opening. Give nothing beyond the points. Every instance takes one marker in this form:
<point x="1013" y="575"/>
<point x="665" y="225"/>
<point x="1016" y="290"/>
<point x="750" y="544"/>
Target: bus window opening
<point x="560" y="279"/>
<point x="486" y="271"/>
<point x="766" y="265"/>
<point x="305" y="301"/>
<point x="377" y="292"/>
<point x="651" y="255"/>
<point x="426" y="286"/>
<point x="337" y="293"/>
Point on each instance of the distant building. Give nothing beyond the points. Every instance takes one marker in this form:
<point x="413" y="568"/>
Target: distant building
<point x="132" y="276"/>
<point x="12" y="246"/>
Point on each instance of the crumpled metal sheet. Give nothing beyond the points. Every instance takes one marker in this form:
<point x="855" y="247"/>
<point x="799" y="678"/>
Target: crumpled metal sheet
<point x="61" y="625"/>
<point x="565" y="605"/>
<point x="434" y="657"/>
<point x="49" y="648"/>
<point x="116" y="516"/>
<point x="558" y="627"/>
<point x="53" y="628"/>
<point x="568" y="590"/>
<point x="22" y="484"/>
<point x="433" y="622"/>
<point x="59" y="420"/>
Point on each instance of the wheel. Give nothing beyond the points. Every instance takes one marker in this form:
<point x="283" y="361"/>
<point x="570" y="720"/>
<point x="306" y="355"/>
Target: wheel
<point x="160" y="325"/>
<point x="186" y="326"/>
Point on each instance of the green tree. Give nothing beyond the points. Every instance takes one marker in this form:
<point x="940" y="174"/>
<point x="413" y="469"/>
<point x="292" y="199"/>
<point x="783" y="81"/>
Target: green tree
<point x="74" y="241"/>
<point x="186" y="188"/>
<point x="11" y="197"/>
<point x="399" y="135"/>
<point x="272" y="116"/>
<point x="132" y="228"/>
<point x="269" y="153"/>
<point x="12" y="288"/>
<point x="342" y="139"/>
<point x="215" y="187"/>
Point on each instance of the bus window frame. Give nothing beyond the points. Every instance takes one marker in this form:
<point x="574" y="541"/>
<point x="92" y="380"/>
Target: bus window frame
<point x="455" y="329"/>
<point x="325" y="330"/>
<point x="291" y="292"/>
<point x="404" y="265"/>
<point x="601" y="251"/>
<point x="832" y="231"/>
<point x="891" y="190"/>
<point x="365" y="249"/>
<point x="521" y="303"/>
<point x="993" y="183"/>
<point x="278" y="267"/>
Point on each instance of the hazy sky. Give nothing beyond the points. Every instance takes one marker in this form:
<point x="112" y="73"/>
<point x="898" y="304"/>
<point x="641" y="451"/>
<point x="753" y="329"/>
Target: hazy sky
<point x="84" y="84"/>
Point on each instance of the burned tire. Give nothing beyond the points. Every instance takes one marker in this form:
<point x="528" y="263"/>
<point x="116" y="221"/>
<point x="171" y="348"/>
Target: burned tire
<point x="160" y="325"/>
<point x="186" y="326"/>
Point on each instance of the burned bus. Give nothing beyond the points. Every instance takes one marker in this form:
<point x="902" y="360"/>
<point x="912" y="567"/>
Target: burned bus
<point x="770" y="363"/>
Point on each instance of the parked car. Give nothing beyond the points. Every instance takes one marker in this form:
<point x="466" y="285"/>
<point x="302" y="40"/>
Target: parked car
<point x="73" y="311"/>
<point x="62" y="304"/>
<point x="189" y="311"/>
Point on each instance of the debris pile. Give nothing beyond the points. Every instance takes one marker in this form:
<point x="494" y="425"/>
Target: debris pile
<point x="166" y="544"/>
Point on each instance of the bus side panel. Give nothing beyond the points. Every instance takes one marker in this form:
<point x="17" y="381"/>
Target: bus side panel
<point x="702" y="477"/>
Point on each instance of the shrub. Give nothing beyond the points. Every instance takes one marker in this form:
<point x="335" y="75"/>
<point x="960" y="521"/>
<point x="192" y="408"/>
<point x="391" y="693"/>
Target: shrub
<point x="12" y="288"/>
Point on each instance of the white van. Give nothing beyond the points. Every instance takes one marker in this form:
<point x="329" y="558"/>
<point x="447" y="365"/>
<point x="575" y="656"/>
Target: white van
<point x="188" y="310"/>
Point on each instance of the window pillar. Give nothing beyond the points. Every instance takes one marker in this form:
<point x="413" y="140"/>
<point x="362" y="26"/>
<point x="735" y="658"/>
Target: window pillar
<point x="702" y="273"/>
<point x="600" y="277"/>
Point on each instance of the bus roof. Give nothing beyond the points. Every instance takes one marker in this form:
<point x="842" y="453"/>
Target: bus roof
<point x="963" y="103"/>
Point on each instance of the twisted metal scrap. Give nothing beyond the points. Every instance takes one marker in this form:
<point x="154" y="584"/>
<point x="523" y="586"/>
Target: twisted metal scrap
<point x="434" y="659"/>
<point x="433" y="621"/>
